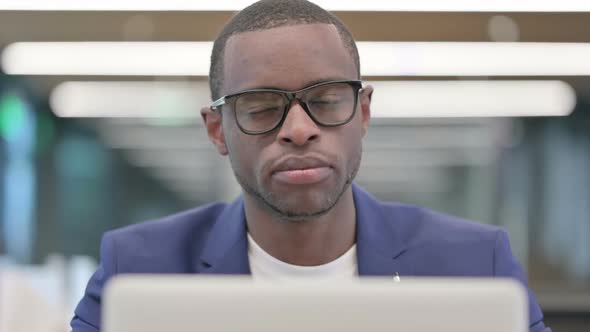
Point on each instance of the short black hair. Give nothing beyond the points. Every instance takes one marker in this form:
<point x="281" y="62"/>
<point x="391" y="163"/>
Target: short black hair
<point x="268" y="14"/>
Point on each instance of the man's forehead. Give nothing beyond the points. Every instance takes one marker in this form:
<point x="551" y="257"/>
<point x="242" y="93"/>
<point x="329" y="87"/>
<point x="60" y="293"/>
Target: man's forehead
<point x="286" y="29"/>
<point x="286" y="57"/>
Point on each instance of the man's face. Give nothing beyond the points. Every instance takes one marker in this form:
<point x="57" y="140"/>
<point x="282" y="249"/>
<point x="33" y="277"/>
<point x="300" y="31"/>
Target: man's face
<point x="300" y="169"/>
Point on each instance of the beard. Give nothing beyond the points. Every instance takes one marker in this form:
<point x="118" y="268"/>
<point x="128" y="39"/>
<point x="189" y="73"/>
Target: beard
<point x="305" y="204"/>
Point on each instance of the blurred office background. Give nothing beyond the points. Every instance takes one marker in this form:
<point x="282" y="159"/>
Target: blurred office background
<point x="481" y="112"/>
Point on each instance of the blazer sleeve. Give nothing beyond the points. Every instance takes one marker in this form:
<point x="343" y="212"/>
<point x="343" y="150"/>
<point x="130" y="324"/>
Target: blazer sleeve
<point x="506" y="265"/>
<point x="87" y="314"/>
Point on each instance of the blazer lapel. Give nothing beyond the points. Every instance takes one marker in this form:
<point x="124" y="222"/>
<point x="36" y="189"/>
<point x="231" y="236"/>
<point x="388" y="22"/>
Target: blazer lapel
<point x="380" y="247"/>
<point x="226" y="249"/>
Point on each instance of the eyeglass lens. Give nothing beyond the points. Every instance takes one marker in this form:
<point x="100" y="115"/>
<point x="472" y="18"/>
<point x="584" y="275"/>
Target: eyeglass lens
<point x="329" y="104"/>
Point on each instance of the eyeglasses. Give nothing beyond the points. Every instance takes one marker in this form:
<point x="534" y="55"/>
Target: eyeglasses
<point x="260" y="111"/>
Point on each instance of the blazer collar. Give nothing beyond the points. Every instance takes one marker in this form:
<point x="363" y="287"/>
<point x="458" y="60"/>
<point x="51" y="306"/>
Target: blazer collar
<point x="226" y="249"/>
<point x="379" y="244"/>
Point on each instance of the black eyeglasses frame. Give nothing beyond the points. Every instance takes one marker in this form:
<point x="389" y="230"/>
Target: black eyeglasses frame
<point x="289" y="96"/>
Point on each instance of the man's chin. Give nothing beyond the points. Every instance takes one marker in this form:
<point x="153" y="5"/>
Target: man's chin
<point x="295" y="203"/>
<point x="301" y="215"/>
<point x="303" y="205"/>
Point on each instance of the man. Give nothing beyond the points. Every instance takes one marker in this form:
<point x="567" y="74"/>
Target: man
<point x="290" y="112"/>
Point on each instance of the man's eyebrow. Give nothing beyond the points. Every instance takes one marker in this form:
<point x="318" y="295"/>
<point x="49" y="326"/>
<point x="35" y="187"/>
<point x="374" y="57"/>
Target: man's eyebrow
<point x="307" y="84"/>
<point x="326" y="80"/>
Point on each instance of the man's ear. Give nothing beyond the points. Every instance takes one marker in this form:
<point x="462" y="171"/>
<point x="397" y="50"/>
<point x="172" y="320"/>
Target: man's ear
<point x="365" y="104"/>
<point x="212" y="121"/>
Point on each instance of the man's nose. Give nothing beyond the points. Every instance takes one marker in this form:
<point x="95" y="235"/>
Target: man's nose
<point x="298" y="128"/>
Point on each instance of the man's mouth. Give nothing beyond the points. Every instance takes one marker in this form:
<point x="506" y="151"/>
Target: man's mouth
<point x="303" y="176"/>
<point x="298" y="170"/>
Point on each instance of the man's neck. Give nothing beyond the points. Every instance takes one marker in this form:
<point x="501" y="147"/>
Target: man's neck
<point x="309" y="242"/>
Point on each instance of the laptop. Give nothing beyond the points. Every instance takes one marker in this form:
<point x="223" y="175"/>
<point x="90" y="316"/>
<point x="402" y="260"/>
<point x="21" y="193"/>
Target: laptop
<point x="150" y="303"/>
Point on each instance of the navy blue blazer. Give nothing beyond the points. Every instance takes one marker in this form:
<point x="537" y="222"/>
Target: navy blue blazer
<point x="391" y="238"/>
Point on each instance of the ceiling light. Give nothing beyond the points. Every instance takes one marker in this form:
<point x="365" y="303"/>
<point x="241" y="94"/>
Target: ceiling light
<point x="377" y="58"/>
<point x="474" y="59"/>
<point x="391" y="99"/>
<point x="420" y="99"/>
<point x="107" y="58"/>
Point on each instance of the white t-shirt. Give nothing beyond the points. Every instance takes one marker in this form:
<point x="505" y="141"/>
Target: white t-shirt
<point x="263" y="266"/>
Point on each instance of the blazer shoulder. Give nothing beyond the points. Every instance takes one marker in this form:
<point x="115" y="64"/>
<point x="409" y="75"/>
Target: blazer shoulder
<point x="418" y="224"/>
<point x="162" y="245"/>
<point x="198" y="219"/>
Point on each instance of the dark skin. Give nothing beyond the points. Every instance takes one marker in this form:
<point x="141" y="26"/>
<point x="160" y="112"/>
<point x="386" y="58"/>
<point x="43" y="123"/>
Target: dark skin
<point x="303" y="224"/>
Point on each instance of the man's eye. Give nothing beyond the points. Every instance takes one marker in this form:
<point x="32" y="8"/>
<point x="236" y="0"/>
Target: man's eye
<point x="261" y="110"/>
<point x="325" y="102"/>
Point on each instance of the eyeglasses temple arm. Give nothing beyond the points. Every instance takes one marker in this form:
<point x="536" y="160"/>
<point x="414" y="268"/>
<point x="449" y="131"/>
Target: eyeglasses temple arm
<point x="217" y="103"/>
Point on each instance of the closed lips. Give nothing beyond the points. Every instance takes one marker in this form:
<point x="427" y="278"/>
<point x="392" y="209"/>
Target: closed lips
<point x="298" y="171"/>
<point x="298" y="163"/>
